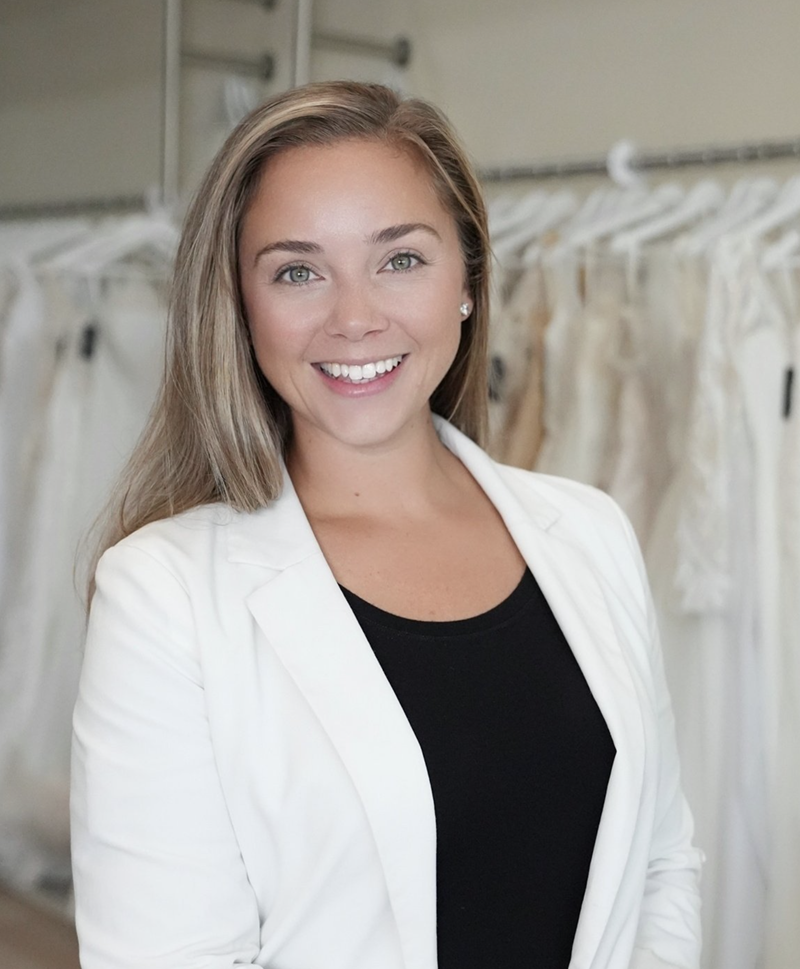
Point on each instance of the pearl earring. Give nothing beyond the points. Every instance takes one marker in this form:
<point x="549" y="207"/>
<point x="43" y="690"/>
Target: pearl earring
<point x="464" y="309"/>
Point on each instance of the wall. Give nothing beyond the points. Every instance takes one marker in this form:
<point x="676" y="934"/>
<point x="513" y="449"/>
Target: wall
<point x="79" y="98"/>
<point x="523" y="80"/>
<point x="526" y="80"/>
<point x="81" y="91"/>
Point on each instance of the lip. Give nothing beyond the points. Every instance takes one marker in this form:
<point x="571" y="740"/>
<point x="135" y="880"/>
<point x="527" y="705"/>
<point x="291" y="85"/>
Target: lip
<point x="376" y="386"/>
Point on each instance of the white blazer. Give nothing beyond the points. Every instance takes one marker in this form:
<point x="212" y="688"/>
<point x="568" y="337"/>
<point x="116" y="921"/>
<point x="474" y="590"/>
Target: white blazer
<point x="248" y="792"/>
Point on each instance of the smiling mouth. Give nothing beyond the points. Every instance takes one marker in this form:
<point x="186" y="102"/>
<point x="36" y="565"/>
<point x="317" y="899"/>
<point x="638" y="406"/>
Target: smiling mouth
<point x="360" y="373"/>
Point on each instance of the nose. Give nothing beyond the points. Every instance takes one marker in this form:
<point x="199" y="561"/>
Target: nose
<point x="354" y="312"/>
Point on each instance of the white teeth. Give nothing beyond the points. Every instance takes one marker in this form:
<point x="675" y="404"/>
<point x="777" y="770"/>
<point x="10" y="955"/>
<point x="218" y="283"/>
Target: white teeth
<point x="360" y="373"/>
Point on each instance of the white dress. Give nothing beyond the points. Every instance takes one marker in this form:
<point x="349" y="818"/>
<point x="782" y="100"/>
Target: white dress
<point x="710" y="558"/>
<point x="581" y="374"/>
<point x="782" y="941"/>
<point x="108" y="371"/>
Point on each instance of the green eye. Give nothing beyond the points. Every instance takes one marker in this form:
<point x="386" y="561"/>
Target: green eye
<point x="402" y="261"/>
<point x="299" y="274"/>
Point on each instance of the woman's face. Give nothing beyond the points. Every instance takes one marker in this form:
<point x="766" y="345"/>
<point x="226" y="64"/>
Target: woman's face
<point x="352" y="278"/>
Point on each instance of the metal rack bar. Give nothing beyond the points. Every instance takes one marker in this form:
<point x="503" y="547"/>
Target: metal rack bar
<point x="301" y="42"/>
<point x="649" y="160"/>
<point x="171" y="103"/>
<point x="262" y="67"/>
<point x="111" y="205"/>
<point x="397" y="51"/>
<point x="266" y="4"/>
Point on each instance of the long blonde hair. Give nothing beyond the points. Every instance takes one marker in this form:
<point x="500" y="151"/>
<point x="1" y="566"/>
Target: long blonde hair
<point x="218" y="430"/>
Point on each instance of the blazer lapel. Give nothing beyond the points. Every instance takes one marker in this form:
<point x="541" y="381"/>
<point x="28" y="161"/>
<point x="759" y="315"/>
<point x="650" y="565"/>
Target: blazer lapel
<point x="576" y="594"/>
<point x="307" y="621"/>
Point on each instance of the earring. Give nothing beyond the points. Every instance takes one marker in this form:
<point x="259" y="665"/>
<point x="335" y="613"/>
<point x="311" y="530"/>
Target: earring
<point x="465" y="310"/>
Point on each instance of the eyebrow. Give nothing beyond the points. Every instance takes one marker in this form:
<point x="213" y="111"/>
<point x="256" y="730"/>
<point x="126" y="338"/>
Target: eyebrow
<point x="395" y="232"/>
<point x="288" y="245"/>
<point x="390" y="234"/>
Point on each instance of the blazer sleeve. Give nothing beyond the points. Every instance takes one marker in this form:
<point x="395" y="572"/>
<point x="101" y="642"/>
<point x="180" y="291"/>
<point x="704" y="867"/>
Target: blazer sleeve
<point x="159" y="879"/>
<point x="668" y="934"/>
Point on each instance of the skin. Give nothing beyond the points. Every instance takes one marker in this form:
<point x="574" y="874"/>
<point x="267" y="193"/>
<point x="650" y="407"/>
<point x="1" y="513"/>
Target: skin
<point x="347" y="256"/>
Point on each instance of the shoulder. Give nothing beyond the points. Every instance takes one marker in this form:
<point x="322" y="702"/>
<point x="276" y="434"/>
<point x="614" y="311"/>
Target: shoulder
<point x="544" y="498"/>
<point x="179" y="546"/>
<point x="563" y="494"/>
<point x="189" y="530"/>
<point x="575" y="507"/>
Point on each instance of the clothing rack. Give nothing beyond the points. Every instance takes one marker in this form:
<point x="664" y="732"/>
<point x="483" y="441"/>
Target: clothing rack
<point x="397" y="51"/>
<point x="111" y="205"/>
<point x="754" y="151"/>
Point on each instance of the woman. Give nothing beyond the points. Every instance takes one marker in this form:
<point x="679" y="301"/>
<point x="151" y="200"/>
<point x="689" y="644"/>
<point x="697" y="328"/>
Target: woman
<point x="328" y="717"/>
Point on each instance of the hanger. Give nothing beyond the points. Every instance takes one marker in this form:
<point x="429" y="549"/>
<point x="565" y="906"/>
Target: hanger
<point x="30" y="241"/>
<point x="747" y="198"/>
<point x="704" y="199"/>
<point x="509" y="219"/>
<point x="499" y="208"/>
<point x="556" y="208"/>
<point x="643" y="205"/>
<point x="779" y="254"/>
<point x="562" y="206"/>
<point x="785" y="209"/>
<point x="153" y="235"/>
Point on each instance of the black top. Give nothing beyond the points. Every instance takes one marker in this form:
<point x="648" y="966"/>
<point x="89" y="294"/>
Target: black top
<point x="518" y="756"/>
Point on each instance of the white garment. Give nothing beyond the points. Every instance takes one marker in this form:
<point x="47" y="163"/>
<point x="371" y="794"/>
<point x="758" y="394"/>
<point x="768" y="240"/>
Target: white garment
<point x="561" y="341"/>
<point x="707" y="559"/>
<point x="100" y="397"/>
<point x="782" y="931"/>
<point x="655" y="383"/>
<point x="511" y="351"/>
<point x="27" y="364"/>
<point x="585" y="387"/>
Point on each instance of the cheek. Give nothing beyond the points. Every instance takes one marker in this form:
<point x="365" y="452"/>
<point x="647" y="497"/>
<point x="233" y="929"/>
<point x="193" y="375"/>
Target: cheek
<point x="273" y="342"/>
<point x="274" y="326"/>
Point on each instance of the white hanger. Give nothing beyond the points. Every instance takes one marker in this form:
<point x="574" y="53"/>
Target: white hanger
<point x="747" y="198"/>
<point x="619" y="164"/>
<point x="562" y="206"/>
<point x="499" y="208"/>
<point x="785" y="208"/>
<point x="117" y="242"/>
<point x="647" y="205"/>
<point x="556" y="208"/>
<point x="779" y="253"/>
<point x="25" y="242"/>
<point x="508" y="220"/>
<point x="599" y="204"/>
<point x="706" y="197"/>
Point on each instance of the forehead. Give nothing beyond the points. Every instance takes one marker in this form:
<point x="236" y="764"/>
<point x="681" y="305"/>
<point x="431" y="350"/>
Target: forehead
<point x="370" y="179"/>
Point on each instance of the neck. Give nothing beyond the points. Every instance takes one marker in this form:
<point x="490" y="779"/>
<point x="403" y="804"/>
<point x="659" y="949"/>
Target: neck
<point x="403" y="477"/>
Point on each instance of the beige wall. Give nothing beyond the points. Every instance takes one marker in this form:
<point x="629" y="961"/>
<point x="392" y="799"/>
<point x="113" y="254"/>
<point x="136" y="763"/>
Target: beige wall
<point x="79" y="98"/>
<point x="530" y="79"/>
<point x="524" y="80"/>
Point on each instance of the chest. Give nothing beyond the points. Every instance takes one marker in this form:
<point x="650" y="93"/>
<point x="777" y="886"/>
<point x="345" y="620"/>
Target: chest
<point x="432" y="570"/>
